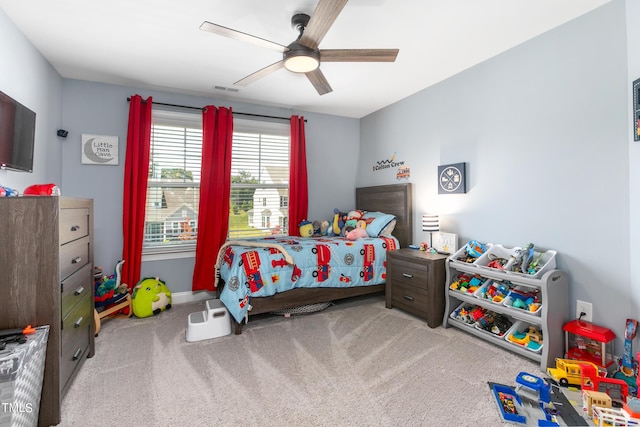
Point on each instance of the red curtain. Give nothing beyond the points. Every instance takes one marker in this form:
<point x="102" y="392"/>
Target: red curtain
<point x="298" y="187"/>
<point x="215" y="188"/>
<point x="136" y="173"/>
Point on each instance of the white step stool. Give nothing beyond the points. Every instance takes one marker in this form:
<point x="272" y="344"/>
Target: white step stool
<point x="213" y="322"/>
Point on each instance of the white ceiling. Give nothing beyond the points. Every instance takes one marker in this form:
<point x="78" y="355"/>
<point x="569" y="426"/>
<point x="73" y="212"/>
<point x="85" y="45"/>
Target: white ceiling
<point x="157" y="44"/>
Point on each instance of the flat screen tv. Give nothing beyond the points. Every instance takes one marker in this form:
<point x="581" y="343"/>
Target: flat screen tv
<point x="17" y="134"/>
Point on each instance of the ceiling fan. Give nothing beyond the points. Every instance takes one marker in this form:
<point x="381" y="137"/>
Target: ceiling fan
<point x="303" y="55"/>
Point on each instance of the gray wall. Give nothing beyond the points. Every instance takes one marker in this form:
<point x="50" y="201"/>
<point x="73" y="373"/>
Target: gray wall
<point x="28" y="78"/>
<point x="633" y="47"/>
<point x="544" y="130"/>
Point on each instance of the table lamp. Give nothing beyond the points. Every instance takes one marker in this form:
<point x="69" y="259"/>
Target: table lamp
<point x="431" y="224"/>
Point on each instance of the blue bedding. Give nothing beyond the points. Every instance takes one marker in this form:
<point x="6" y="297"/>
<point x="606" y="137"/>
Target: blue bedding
<point x="266" y="266"/>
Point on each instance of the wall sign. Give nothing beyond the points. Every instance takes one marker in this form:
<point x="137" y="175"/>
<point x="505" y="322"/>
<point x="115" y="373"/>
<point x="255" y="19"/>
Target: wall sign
<point x="446" y="242"/>
<point x="452" y="179"/>
<point x="99" y="150"/>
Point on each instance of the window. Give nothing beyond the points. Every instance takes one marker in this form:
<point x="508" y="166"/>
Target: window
<point x="259" y="181"/>
<point x="259" y="178"/>
<point x="173" y="189"/>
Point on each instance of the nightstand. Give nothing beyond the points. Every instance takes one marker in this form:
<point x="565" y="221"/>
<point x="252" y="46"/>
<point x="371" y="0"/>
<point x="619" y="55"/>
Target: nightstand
<point x="415" y="283"/>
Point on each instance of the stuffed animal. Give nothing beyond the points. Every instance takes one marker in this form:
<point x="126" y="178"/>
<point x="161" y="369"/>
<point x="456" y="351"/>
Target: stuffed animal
<point x="339" y="219"/>
<point x="306" y="228"/>
<point x="317" y="228"/>
<point x="325" y="228"/>
<point x="357" y="233"/>
<point x="150" y="297"/>
<point x="349" y="225"/>
<point x="111" y="285"/>
<point x="356" y="214"/>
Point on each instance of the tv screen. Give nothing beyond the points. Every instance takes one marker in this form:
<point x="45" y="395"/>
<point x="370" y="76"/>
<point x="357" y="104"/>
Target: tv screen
<point x="17" y="133"/>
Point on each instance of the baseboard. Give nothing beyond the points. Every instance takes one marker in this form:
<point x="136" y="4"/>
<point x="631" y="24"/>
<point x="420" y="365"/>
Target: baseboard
<point x="189" y="296"/>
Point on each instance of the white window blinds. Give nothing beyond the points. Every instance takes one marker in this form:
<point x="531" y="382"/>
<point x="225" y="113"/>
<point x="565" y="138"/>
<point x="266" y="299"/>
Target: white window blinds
<point x="259" y="181"/>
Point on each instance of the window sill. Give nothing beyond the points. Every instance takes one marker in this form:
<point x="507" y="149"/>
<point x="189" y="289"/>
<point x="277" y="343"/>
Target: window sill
<point x="161" y="256"/>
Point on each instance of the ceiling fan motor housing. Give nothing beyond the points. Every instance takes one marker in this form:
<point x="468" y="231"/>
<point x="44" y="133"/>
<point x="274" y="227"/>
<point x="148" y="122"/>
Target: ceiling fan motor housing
<point x="301" y="59"/>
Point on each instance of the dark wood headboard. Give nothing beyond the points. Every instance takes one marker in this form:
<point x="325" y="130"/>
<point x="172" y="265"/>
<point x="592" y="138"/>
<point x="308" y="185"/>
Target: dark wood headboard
<point x="393" y="199"/>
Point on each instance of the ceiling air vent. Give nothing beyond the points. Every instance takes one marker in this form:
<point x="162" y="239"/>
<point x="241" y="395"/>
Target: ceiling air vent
<point x="226" y="89"/>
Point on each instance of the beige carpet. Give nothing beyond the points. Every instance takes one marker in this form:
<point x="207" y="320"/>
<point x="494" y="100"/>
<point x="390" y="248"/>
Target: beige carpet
<point x="353" y="364"/>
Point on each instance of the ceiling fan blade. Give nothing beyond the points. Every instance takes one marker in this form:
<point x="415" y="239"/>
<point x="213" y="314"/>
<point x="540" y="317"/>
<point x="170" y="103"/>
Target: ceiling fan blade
<point x="239" y="35"/>
<point x="318" y="81"/>
<point x="323" y="17"/>
<point x="260" y="74"/>
<point x="358" y="55"/>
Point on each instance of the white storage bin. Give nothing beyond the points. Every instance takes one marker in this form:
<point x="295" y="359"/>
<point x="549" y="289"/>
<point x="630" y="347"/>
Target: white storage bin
<point x="474" y="283"/>
<point x="483" y="293"/>
<point x="213" y="322"/>
<point x="461" y="254"/>
<point x="468" y="320"/>
<point x="504" y="321"/>
<point x="546" y="261"/>
<point x="521" y="335"/>
<point x="498" y="252"/>
<point x="519" y="303"/>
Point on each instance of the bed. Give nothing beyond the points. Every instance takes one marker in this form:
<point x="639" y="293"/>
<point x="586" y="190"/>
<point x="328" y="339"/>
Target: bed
<point x="282" y="272"/>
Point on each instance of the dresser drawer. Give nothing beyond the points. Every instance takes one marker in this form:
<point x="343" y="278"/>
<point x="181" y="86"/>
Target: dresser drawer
<point x="75" y="338"/>
<point x="74" y="256"/>
<point x="74" y="224"/>
<point x="75" y="288"/>
<point x="410" y="273"/>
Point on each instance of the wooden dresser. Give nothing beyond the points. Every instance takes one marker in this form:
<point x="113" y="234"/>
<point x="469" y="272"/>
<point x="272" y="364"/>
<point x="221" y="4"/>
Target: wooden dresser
<point x="415" y="283"/>
<point x="46" y="278"/>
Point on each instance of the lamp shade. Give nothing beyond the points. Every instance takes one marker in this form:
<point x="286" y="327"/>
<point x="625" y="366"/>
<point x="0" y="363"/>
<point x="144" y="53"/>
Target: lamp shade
<point x="430" y="223"/>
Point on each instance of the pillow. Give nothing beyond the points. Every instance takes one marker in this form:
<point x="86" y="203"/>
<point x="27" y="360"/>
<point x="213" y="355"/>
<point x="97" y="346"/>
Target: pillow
<point x="379" y="223"/>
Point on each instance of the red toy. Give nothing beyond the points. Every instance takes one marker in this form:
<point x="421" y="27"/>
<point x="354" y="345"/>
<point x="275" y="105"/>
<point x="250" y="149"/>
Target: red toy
<point x="589" y="342"/>
<point x="42" y="190"/>
<point x="617" y="389"/>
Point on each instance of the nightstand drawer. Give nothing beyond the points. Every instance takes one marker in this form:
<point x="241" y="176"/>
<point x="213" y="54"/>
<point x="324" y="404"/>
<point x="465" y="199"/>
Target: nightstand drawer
<point x="410" y="298"/>
<point x="410" y="273"/>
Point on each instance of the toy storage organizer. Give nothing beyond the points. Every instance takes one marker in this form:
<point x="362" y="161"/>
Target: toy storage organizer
<point x="550" y="286"/>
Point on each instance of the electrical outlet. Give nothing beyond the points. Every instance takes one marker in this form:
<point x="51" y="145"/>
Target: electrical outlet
<point x="586" y="308"/>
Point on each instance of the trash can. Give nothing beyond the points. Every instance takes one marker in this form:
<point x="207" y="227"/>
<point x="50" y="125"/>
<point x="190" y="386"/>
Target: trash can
<point x="21" y="374"/>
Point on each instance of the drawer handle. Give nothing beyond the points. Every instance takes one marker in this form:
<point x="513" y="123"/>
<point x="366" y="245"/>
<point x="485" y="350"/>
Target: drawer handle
<point x="407" y="275"/>
<point x="408" y="298"/>
<point x="79" y="291"/>
<point x="78" y="322"/>
<point x="77" y="354"/>
<point x="75" y="227"/>
<point x="76" y="260"/>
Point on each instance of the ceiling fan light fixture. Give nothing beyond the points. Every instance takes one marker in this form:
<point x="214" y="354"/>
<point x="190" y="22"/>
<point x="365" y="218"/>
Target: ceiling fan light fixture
<point x="301" y="59"/>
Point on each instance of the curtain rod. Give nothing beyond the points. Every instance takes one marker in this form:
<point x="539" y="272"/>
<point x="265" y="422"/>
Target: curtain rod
<point x="200" y="108"/>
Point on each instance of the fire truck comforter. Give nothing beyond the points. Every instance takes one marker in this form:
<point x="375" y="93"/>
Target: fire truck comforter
<point x="266" y="266"/>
